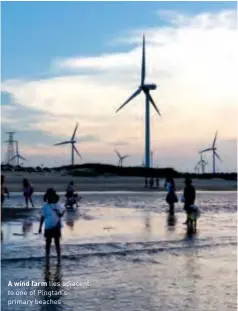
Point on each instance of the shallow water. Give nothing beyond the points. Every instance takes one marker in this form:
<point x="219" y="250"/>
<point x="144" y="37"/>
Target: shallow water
<point x="126" y="256"/>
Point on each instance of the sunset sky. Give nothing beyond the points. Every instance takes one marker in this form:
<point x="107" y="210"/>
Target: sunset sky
<point x="68" y="62"/>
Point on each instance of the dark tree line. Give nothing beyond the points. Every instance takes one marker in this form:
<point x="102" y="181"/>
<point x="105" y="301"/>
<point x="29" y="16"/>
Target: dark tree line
<point x="97" y="169"/>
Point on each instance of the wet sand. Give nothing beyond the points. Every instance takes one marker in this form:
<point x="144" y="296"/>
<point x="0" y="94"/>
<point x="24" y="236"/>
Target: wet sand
<point x="42" y="181"/>
<point x="120" y="247"/>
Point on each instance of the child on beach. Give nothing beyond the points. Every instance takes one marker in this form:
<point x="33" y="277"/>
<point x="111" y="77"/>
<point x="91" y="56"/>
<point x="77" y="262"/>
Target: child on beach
<point x="51" y="214"/>
<point x="171" y="197"/>
<point x="27" y="191"/>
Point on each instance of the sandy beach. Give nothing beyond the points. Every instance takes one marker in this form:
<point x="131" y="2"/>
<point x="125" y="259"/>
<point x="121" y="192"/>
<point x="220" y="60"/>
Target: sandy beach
<point x="42" y="181"/>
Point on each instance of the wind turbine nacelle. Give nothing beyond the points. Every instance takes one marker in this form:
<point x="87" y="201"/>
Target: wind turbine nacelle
<point x="150" y="87"/>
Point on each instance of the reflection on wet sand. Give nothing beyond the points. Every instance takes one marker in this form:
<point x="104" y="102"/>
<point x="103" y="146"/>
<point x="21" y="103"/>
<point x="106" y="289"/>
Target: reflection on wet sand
<point x="148" y="221"/>
<point x="27" y="227"/>
<point x="52" y="291"/>
<point x="171" y="222"/>
<point x="70" y="218"/>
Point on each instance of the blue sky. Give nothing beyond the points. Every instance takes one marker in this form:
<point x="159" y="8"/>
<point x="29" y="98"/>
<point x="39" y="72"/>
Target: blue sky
<point x="37" y="36"/>
<point x="35" y="32"/>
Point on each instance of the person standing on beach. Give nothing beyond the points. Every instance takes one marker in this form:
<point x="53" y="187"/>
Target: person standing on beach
<point x="4" y="190"/>
<point x="146" y="182"/>
<point x="157" y="182"/>
<point x="171" y="197"/>
<point x="189" y="196"/>
<point x="27" y="191"/>
<point x="51" y="214"/>
<point x="151" y="182"/>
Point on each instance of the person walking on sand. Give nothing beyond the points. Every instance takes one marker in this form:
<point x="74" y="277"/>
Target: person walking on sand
<point x="171" y="197"/>
<point x="51" y="214"/>
<point x="27" y="191"/>
<point x="4" y="190"/>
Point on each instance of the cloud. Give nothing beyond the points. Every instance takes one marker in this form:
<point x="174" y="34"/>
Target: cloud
<point x="89" y="138"/>
<point x="192" y="58"/>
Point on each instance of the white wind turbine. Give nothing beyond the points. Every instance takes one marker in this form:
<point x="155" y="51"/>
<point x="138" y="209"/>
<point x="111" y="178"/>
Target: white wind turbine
<point x="72" y="141"/>
<point x="121" y="158"/>
<point x="214" y="153"/>
<point x="17" y="155"/>
<point x="145" y="88"/>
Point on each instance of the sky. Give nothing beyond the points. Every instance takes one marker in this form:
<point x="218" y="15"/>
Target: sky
<point x="69" y="62"/>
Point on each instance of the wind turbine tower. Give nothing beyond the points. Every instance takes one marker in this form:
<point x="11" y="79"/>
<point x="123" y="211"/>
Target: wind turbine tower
<point x="145" y="88"/>
<point x="215" y="155"/>
<point x="72" y="141"/>
<point x="10" y="149"/>
<point x="152" y="157"/>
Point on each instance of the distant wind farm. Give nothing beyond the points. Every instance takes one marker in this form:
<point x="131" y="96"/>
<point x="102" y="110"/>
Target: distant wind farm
<point x="13" y="156"/>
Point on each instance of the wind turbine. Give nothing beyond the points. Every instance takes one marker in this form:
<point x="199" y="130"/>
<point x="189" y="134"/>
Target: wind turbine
<point x="72" y="141"/>
<point x="196" y="168"/>
<point x="146" y="88"/>
<point x="17" y="155"/>
<point x="121" y="158"/>
<point x="214" y="153"/>
<point x="202" y="163"/>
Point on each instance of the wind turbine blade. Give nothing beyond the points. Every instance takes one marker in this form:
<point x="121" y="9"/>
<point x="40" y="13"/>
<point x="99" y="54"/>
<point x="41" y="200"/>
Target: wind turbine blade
<point x="205" y="150"/>
<point x="217" y="156"/>
<point x="75" y="149"/>
<point x="13" y="158"/>
<point x="143" y="63"/>
<point x="117" y="152"/>
<point x="75" y="131"/>
<point x="63" y="143"/>
<point x="20" y="157"/>
<point x="137" y="92"/>
<point x="214" y="141"/>
<point x="153" y="103"/>
<point x="124" y="157"/>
